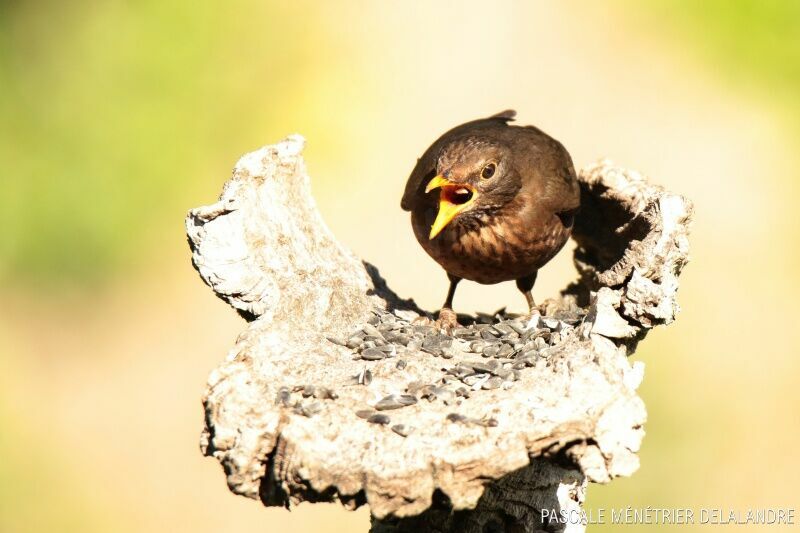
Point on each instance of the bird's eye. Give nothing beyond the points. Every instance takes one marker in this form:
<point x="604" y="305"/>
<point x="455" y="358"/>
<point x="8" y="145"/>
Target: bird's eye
<point x="488" y="171"/>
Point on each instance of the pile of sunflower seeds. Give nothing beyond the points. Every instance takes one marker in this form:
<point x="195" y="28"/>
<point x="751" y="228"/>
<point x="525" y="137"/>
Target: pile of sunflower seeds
<point x="306" y="392"/>
<point x="499" y="336"/>
<point x="489" y="353"/>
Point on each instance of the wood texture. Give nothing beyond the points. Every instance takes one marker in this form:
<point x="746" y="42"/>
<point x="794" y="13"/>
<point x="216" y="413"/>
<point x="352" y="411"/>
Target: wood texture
<point x="571" y="417"/>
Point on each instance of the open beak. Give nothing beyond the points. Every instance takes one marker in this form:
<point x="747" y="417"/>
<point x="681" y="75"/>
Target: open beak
<point x="453" y="199"/>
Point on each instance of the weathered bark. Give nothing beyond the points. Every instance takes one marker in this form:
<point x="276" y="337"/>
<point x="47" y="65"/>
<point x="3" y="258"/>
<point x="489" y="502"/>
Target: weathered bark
<point x="555" y="408"/>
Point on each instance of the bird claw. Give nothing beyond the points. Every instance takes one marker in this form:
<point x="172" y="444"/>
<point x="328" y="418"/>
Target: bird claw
<point x="422" y="320"/>
<point x="447" y="321"/>
<point x="533" y="317"/>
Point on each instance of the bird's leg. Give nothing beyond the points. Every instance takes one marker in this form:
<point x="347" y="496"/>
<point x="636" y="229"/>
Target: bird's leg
<point x="526" y="285"/>
<point x="447" y="317"/>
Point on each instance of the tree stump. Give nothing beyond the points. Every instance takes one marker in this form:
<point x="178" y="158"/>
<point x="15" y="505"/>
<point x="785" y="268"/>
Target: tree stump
<point x="335" y="391"/>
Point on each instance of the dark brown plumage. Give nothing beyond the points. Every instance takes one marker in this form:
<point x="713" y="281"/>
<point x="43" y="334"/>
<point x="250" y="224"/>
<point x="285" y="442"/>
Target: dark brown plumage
<point x="492" y="202"/>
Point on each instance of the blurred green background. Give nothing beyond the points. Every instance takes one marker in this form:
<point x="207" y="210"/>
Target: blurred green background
<point x="116" y="117"/>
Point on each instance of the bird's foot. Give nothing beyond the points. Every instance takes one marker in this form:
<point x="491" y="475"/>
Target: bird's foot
<point x="423" y="320"/>
<point x="533" y="316"/>
<point x="447" y="321"/>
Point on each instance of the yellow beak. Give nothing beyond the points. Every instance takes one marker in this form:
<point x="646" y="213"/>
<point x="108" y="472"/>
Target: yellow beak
<point x="453" y="199"/>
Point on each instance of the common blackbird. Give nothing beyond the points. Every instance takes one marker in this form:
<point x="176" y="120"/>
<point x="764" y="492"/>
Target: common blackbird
<point x="492" y="202"/>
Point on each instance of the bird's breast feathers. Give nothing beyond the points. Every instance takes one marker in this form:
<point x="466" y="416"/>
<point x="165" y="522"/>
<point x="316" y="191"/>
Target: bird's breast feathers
<point x="491" y="249"/>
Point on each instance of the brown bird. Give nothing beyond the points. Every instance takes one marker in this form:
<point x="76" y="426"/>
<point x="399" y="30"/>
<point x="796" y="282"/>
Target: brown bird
<point x="492" y="202"/>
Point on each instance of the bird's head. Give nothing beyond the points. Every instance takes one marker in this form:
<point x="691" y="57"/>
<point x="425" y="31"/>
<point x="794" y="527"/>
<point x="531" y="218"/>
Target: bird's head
<point x="473" y="176"/>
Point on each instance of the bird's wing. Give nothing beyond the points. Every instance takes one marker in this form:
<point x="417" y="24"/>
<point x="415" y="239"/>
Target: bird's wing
<point x="426" y="165"/>
<point x="552" y="173"/>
